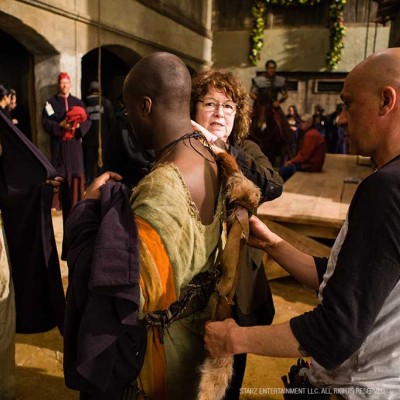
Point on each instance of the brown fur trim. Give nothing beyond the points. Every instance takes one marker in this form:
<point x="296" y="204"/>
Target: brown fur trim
<point x="228" y="164"/>
<point x="216" y="374"/>
<point x="239" y="189"/>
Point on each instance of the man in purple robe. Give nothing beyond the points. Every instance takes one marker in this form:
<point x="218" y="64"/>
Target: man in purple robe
<point x="66" y="143"/>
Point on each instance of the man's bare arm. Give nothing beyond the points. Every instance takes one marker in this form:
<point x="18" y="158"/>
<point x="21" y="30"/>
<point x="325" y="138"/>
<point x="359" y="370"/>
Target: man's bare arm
<point x="226" y="338"/>
<point x="298" y="264"/>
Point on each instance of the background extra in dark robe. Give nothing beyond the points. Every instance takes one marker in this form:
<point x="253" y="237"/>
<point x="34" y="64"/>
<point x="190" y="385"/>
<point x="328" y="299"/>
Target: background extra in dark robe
<point x="25" y="203"/>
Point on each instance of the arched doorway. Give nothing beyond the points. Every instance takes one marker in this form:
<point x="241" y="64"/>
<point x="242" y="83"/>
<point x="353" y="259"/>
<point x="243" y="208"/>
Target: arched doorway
<point x="116" y="61"/>
<point x="20" y="48"/>
<point x="16" y="73"/>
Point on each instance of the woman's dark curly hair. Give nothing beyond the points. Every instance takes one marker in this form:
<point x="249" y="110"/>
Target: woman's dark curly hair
<point x="232" y="87"/>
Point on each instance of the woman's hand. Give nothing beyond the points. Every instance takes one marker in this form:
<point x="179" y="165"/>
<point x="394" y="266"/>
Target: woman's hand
<point x="93" y="191"/>
<point x="211" y="138"/>
<point x="217" y="145"/>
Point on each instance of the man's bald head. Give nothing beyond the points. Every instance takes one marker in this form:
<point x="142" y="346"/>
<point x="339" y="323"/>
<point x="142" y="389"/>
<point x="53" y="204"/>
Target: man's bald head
<point x="163" y="77"/>
<point x="371" y="116"/>
<point x="380" y="69"/>
<point x="157" y="97"/>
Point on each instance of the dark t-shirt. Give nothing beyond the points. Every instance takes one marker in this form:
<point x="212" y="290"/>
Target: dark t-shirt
<point x="366" y="271"/>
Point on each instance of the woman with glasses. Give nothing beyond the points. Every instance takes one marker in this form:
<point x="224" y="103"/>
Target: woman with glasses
<point x="220" y="107"/>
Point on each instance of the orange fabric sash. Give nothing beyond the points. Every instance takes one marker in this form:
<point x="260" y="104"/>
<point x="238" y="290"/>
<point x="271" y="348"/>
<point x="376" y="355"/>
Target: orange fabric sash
<point x="158" y="289"/>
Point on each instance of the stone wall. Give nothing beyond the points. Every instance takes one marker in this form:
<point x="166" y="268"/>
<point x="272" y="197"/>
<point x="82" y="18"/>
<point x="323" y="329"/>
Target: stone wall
<point x="58" y="33"/>
<point x="296" y="49"/>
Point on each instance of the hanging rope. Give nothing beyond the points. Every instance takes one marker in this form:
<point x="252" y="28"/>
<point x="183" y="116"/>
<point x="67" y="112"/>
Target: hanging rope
<point x="375" y="35"/>
<point x="100" y="149"/>
<point x="366" y="38"/>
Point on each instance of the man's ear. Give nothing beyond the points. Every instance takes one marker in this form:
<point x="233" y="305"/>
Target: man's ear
<point x="388" y="100"/>
<point x="146" y="105"/>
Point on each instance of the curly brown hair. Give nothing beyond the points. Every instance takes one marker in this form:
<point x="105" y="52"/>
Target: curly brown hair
<point x="232" y="87"/>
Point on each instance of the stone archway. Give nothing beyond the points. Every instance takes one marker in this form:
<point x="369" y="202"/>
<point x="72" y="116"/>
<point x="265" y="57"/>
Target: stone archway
<point x="15" y="73"/>
<point x="20" y="48"/>
<point x="116" y="62"/>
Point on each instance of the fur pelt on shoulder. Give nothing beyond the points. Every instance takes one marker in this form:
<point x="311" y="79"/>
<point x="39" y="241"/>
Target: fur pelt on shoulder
<point x="242" y="198"/>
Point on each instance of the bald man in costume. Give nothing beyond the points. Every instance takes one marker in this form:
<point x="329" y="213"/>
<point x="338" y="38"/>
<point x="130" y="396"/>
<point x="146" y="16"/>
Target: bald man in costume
<point x="178" y="213"/>
<point x="353" y="335"/>
<point x="66" y="142"/>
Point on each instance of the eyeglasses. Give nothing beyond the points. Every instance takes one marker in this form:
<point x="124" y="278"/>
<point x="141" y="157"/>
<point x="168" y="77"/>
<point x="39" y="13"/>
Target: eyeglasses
<point x="210" y="104"/>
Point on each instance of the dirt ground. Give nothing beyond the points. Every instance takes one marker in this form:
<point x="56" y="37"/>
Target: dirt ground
<point x="39" y="357"/>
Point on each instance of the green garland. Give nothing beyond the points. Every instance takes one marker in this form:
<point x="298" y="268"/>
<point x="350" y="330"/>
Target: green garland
<point x="258" y="12"/>
<point x="336" y="28"/>
<point x="337" y="32"/>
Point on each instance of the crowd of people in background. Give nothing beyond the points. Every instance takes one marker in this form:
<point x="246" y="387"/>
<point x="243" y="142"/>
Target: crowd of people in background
<point x="312" y="137"/>
<point x="311" y="150"/>
<point x="283" y="138"/>
<point x="14" y="111"/>
<point x="82" y="150"/>
<point x="327" y="126"/>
